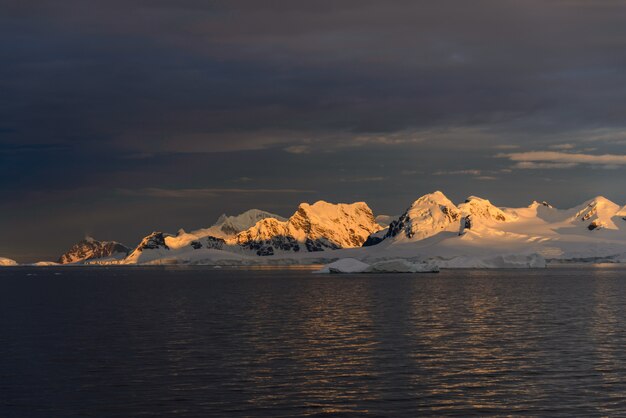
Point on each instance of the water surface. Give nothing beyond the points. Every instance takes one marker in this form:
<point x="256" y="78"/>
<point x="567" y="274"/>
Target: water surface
<point x="128" y="342"/>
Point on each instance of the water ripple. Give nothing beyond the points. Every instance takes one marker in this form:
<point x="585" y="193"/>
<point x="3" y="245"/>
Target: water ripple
<point x="203" y="342"/>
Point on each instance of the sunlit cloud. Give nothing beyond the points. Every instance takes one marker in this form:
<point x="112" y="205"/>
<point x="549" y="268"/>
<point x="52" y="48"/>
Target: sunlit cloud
<point x="530" y="165"/>
<point x="555" y="159"/>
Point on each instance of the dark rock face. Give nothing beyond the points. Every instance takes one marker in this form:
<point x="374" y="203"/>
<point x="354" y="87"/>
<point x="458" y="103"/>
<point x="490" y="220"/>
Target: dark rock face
<point x="152" y="242"/>
<point x="215" y="243"/>
<point x="453" y="215"/>
<point x="265" y="251"/>
<point x="229" y="230"/>
<point x="595" y="225"/>
<point x="592" y="211"/>
<point x="266" y="247"/>
<point x="196" y="245"/>
<point x="372" y="240"/>
<point x="285" y="243"/>
<point x="395" y="227"/>
<point x="89" y="249"/>
<point x="466" y="223"/>
<point x="320" y="245"/>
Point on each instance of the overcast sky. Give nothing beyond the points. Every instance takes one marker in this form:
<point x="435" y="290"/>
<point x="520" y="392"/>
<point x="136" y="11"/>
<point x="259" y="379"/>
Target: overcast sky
<point x="119" y="117"/>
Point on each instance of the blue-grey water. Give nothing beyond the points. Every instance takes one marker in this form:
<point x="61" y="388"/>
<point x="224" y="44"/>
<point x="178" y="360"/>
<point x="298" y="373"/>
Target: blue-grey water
<point x="133" y="342"/>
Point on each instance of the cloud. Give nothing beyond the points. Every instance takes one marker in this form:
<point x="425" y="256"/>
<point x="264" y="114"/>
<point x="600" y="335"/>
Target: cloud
<point x="298" y="149"/>
<point x="563" y="146"/>
<point x="457" y="172"/>
<point x="555" y="159"/>
<point x="530" y="165"/>
<point x="195" y="193"/>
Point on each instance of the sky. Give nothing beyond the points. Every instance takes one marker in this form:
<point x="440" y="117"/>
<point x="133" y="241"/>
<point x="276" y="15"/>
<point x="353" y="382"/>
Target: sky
<point x="118" y="118"/>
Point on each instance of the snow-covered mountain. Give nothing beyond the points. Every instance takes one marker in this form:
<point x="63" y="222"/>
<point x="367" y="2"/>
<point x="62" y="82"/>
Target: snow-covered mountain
<point x="7" y="262"/>
<point x="592" y="231"/>
<point x="317" y="227"/>
<point x="427" y="216"/>
<point x="150" y="248"/>
<point x="473" y="233"/>
<point x="224" y="228"/>
<point x="598" y="213"/>
<point x="90" y="248"/>
<point x="228" y="226"/>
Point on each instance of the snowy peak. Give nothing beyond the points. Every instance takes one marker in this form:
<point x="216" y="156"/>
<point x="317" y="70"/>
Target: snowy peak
<point x="385" y="220"/>
<point x="543" y="203"/>
<point x="232" y="225"/>
<point x="427" y="216"/>
<point x="226" y="227"/>
<point x="482" y="209"/>
<point x="315" y="227"/>
<point x="597" y="213"/>
<point x="150" y="247"/>
<point x="344" y="225"/>
<point x="89" y="249"/>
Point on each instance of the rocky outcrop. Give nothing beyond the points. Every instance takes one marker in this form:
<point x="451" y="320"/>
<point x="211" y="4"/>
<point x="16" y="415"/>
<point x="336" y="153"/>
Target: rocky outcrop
<point x="153" y="241"/>
<point x="466" y="224"/>
<point x="90" y="249"/>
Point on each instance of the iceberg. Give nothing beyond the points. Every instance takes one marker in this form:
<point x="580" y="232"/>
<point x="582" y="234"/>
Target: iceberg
<point x="345" y="265"/>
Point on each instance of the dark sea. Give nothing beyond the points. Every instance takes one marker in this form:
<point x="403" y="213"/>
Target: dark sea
<point x="204" y="342"/>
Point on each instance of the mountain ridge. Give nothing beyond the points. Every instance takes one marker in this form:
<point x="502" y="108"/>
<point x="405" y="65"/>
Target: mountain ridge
<point x="432" y="227"/>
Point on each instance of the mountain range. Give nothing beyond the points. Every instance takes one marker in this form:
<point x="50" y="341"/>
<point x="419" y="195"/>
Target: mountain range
<point x="473" y="233"/>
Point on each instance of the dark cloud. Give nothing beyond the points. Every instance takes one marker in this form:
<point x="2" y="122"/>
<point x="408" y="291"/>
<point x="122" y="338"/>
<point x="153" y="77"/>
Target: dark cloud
<point x="354" y="100"/>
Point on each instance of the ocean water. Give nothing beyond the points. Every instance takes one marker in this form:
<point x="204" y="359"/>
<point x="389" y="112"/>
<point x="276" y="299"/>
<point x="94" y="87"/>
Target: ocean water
<point x="202" y="342"/>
